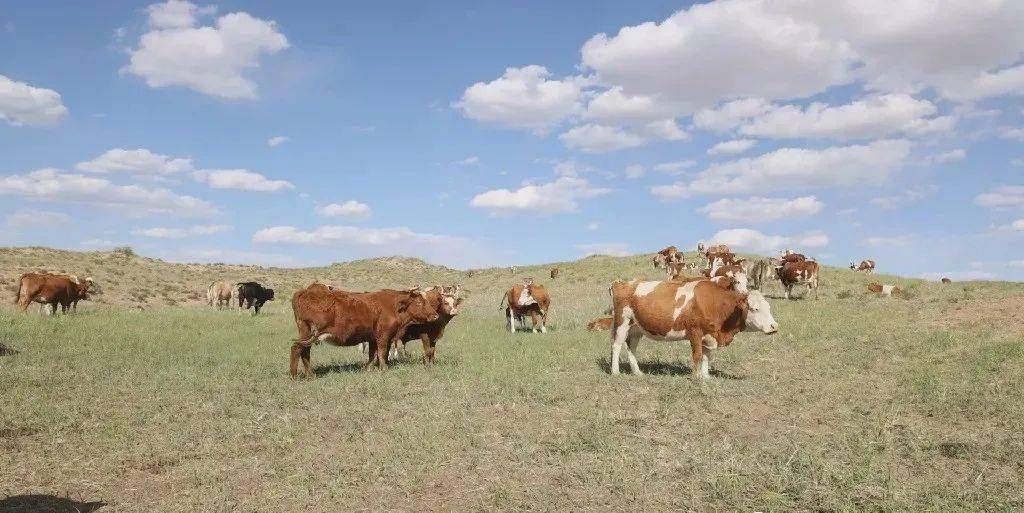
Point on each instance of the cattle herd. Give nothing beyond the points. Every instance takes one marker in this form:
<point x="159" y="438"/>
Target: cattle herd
<point x="706" y="302"/>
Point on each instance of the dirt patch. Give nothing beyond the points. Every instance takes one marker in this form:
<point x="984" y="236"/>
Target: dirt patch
<point x="1006" y="314"/>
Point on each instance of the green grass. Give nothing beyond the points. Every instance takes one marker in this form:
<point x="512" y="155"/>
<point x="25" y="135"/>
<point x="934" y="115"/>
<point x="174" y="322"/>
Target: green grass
<point x="859" y="403"/>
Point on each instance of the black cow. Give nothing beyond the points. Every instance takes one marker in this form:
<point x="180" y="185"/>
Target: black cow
<point x="253" y="294"/>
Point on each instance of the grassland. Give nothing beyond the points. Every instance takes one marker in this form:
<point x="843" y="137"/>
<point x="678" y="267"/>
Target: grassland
<point x="147" y="400"/>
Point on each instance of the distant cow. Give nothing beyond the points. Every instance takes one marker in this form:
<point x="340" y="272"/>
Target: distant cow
<point x="445" y="301"/>
<point x="600" y="324"/>
<point x="349" y="318"/>
<point x="678" y="270"/>
<point x="793" y="273"/>
<point x="947" y="280"/>
<point x="252" y="294"/>
<point x="706" y="314"/>
<point x="885" y="290"/>
<point x="218" y="293"/>
<point x="790" y="256"/>
<point x="527" y="299"/>
<point x="762" y="271"/>
<point x="867" y="266"/>
<point x="734" y="272"/>
<point x="666" y="257"/>
<point x="554" y="273"/>
<point x="51" y="290"/>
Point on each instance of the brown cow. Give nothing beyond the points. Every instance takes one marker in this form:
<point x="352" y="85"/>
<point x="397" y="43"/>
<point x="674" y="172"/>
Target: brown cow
<point x="51" y="290"/>
<point x="947" y="280"/>
<point x="792" y="273"/>
<point x="554" y="273"/>
<point x="735" y="273"/>
<point x="600" y="324"/>
<point x="885" y="290"/>
<point x="348" y="318"/>
<point x="666" y="256"/>
<point x="524" y="299"/>
<point x="445" y="301"/>
<point x="867" y="266"/>
<point x="219" y="293"/>
<point x="700" y="311"/>
<point x="790" y="256"/>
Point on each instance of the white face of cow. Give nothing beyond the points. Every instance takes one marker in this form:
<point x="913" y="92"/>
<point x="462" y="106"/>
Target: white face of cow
<point x="759" y="314"/>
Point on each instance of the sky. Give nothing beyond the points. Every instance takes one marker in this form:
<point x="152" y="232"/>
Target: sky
<point x="485" y="133"/>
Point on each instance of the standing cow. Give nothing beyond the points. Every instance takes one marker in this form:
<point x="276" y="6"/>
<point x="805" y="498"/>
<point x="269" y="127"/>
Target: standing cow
<point x="707" y="314"/>
<point x="867" y="266"/>
<point x="252" y="294"/>
<point x="445" y="301"/>
<point x="527" y="299"/>
<point x="761" y="272"/>
<point x="793" y="273"/>
<point x="219" y="293"/>
<point x="51" y="290"/>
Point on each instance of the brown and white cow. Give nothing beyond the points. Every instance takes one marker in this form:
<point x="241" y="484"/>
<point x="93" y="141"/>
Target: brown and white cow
<point x="527" y="299"/>
<point x="790" y="256"/>
<point x="219" y="293"/>
<point x="701" y="311"/>
<point x="735" y="273"/>
<point x="886" y="290"/>
<point x="793" y="273"/>
<point x="867" y="266"/>
<point x="666" y="257"/>
<point x="761" y="272"/>
<point x="600" y="324"/>
<point x="51" y="290"/>
<point x="445" y="301"/>
<point x="348" y="318"/>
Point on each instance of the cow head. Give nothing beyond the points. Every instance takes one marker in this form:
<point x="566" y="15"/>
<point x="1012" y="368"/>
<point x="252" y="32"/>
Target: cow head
<point x="270" y="294"/>
<point x="414" y="303"/>
<point x="759" y="314"/>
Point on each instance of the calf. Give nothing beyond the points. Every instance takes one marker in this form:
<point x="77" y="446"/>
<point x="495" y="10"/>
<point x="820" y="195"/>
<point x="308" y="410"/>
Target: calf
<point x="349" y="318"/>
<point x="445" y="302"/>
<point x="867" y="266"/>
<point x="219" y="293"/>
<point x="51" y="290"/>
<point x="600" y="324"/>
<point x="884" y="290"/>
<point x="793" y="273"/>
<point x="703" y="312"/>
<point x="252" y="294"/>
<point x="527" y="299"/>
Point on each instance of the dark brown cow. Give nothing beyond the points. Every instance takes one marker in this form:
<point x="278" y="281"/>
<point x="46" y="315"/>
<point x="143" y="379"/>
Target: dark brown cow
<point x="51" y="290"/>
<point x="702" y="312"/>
<point x="867" y="266"/>
<point x="445" y="301"/>
<point x="792" y="273"/>
<point x="554" y="273"/>
<point x="349" y="318"/>
<point x="527" y="299"/>
<point x="600" y="324"/>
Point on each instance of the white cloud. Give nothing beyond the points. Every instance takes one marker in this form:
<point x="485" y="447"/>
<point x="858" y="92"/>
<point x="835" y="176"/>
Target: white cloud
<point x="753" y="241"/>
<point x="867" y="118"/>
<point x="572" y="168"/>
<point x="761" y="210"/>
<point x="666" y="129"/>
<point x="56" y="186"/>
<point x="521" y="98"/>
<point x="795" y="169"/>
<point x="911" y="195"/>
<point x="593" y="138"/>
<point x="730" y="115"/>
<point x="561" y="195"/>
<point x="1016" y="134"/>
<point x="612" y="106"/>
<point x="350" y="208"/>
<point x="1002" y="196"/>
<point x="634" y="171"/>
<point x="139" y="162"/>
<point x="732" y="147"/>
<point x="180" y="233"/>
<point x="1016" y="263"/>
<point x="958" y="275"/>
<point x="675" y="166"/>
<point x="1017" y="225"/>
<point x="987" y="85"/>
<point x="210" y="59"/>
<point x="277" y="140"/>
<point x="615" y="249"/>
<point x="37" y="219"/>
<point x="22" y="104"/>
<point x="240" y="179"/>
<point x="948" y="156"/>
<point x="896" y="241"/>
<point x="471" y="160"/>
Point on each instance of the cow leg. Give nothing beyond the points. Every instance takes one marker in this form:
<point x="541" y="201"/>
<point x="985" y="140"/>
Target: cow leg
<point x="705" y="364"/>
<point x="697" y="352"/>
<point x="533" y="319"/>
<point x="382" y="353"/>
<point x="306" y="367"/>
<point x="632" y="344"/>
<point x="511" y="319"/>
<point x="544" y="322"/>
<point x="619" y="337"/>
<point x="293" y="362"/>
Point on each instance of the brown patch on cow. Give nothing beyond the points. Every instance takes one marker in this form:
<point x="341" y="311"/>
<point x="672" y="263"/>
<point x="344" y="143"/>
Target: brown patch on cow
<point x="600" y="324"/>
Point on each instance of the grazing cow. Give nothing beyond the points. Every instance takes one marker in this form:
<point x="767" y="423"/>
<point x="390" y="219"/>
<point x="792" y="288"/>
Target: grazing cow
<point x="219" y="293"/>
<point x="252" y="294"/>
<point x="733" y="272"/>
<point x="51" y="290"/>
<point x="527" y="299"/>
<point x="445" y="301"/>
<point x="554" y="273"/>
<point x="761" y="272"/>
<point x="600" y="324"/>
<point x="885" y="290"/>
<point x="947" y="280"/>
<point x="790" y="256"/>
<point x="703" y="312"/>
<point x="666" y="257"/>
<point x="867" y="266"/>
<point x="349" y="318"/>
<point x="792" y="273"/>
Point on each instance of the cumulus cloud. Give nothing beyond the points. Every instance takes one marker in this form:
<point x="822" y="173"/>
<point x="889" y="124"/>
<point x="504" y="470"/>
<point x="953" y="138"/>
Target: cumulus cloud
<point x="277" y="140"/>
<point x="37" y="219"/>
<point x="180" y="233"/>
<point x="139" y="162"/>
<point x="948" y="156"/>
<point x="350" y="208"/>
<point x="240" y="179"/>
<point x="796" y="169"/>
<point x="521" y="98"/>
<point x="612" y="106"/>
<point x="210" y="59"/>
<point x="675" y="166"/>
<point x="734" y="147"/>
<point x="761" y="210"/>
<point x="559" y="196"/>
<point x="730" y="115"/>
<point x="753" y="241"/>
<point x="1009" y="81"/>
<point x="615" y="249"/>
<point x="594" y="138"/>
<point x="1002" y="196"/>
<point x="22" y="104"/>
<point x="57" y="186"/>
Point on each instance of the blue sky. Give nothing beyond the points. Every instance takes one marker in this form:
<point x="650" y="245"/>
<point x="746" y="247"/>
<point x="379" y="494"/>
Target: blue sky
<point x="484" y="133"/>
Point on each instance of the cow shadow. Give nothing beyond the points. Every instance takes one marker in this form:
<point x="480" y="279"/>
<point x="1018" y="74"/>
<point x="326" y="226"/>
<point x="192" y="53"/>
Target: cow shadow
<point x="39" y="503"/>
<point x="662" y="368"/>
<point x="324" y="369"/>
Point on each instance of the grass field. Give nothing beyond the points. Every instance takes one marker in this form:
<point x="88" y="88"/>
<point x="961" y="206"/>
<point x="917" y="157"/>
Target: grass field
<point x="859" y="403"/>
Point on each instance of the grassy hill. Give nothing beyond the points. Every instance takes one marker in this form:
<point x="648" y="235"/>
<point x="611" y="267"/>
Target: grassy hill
<point x="147" y="400"/>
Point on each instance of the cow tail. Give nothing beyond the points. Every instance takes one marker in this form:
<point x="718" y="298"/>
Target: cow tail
<point x="17" y="291"/>
<point x="501" y="304"/>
